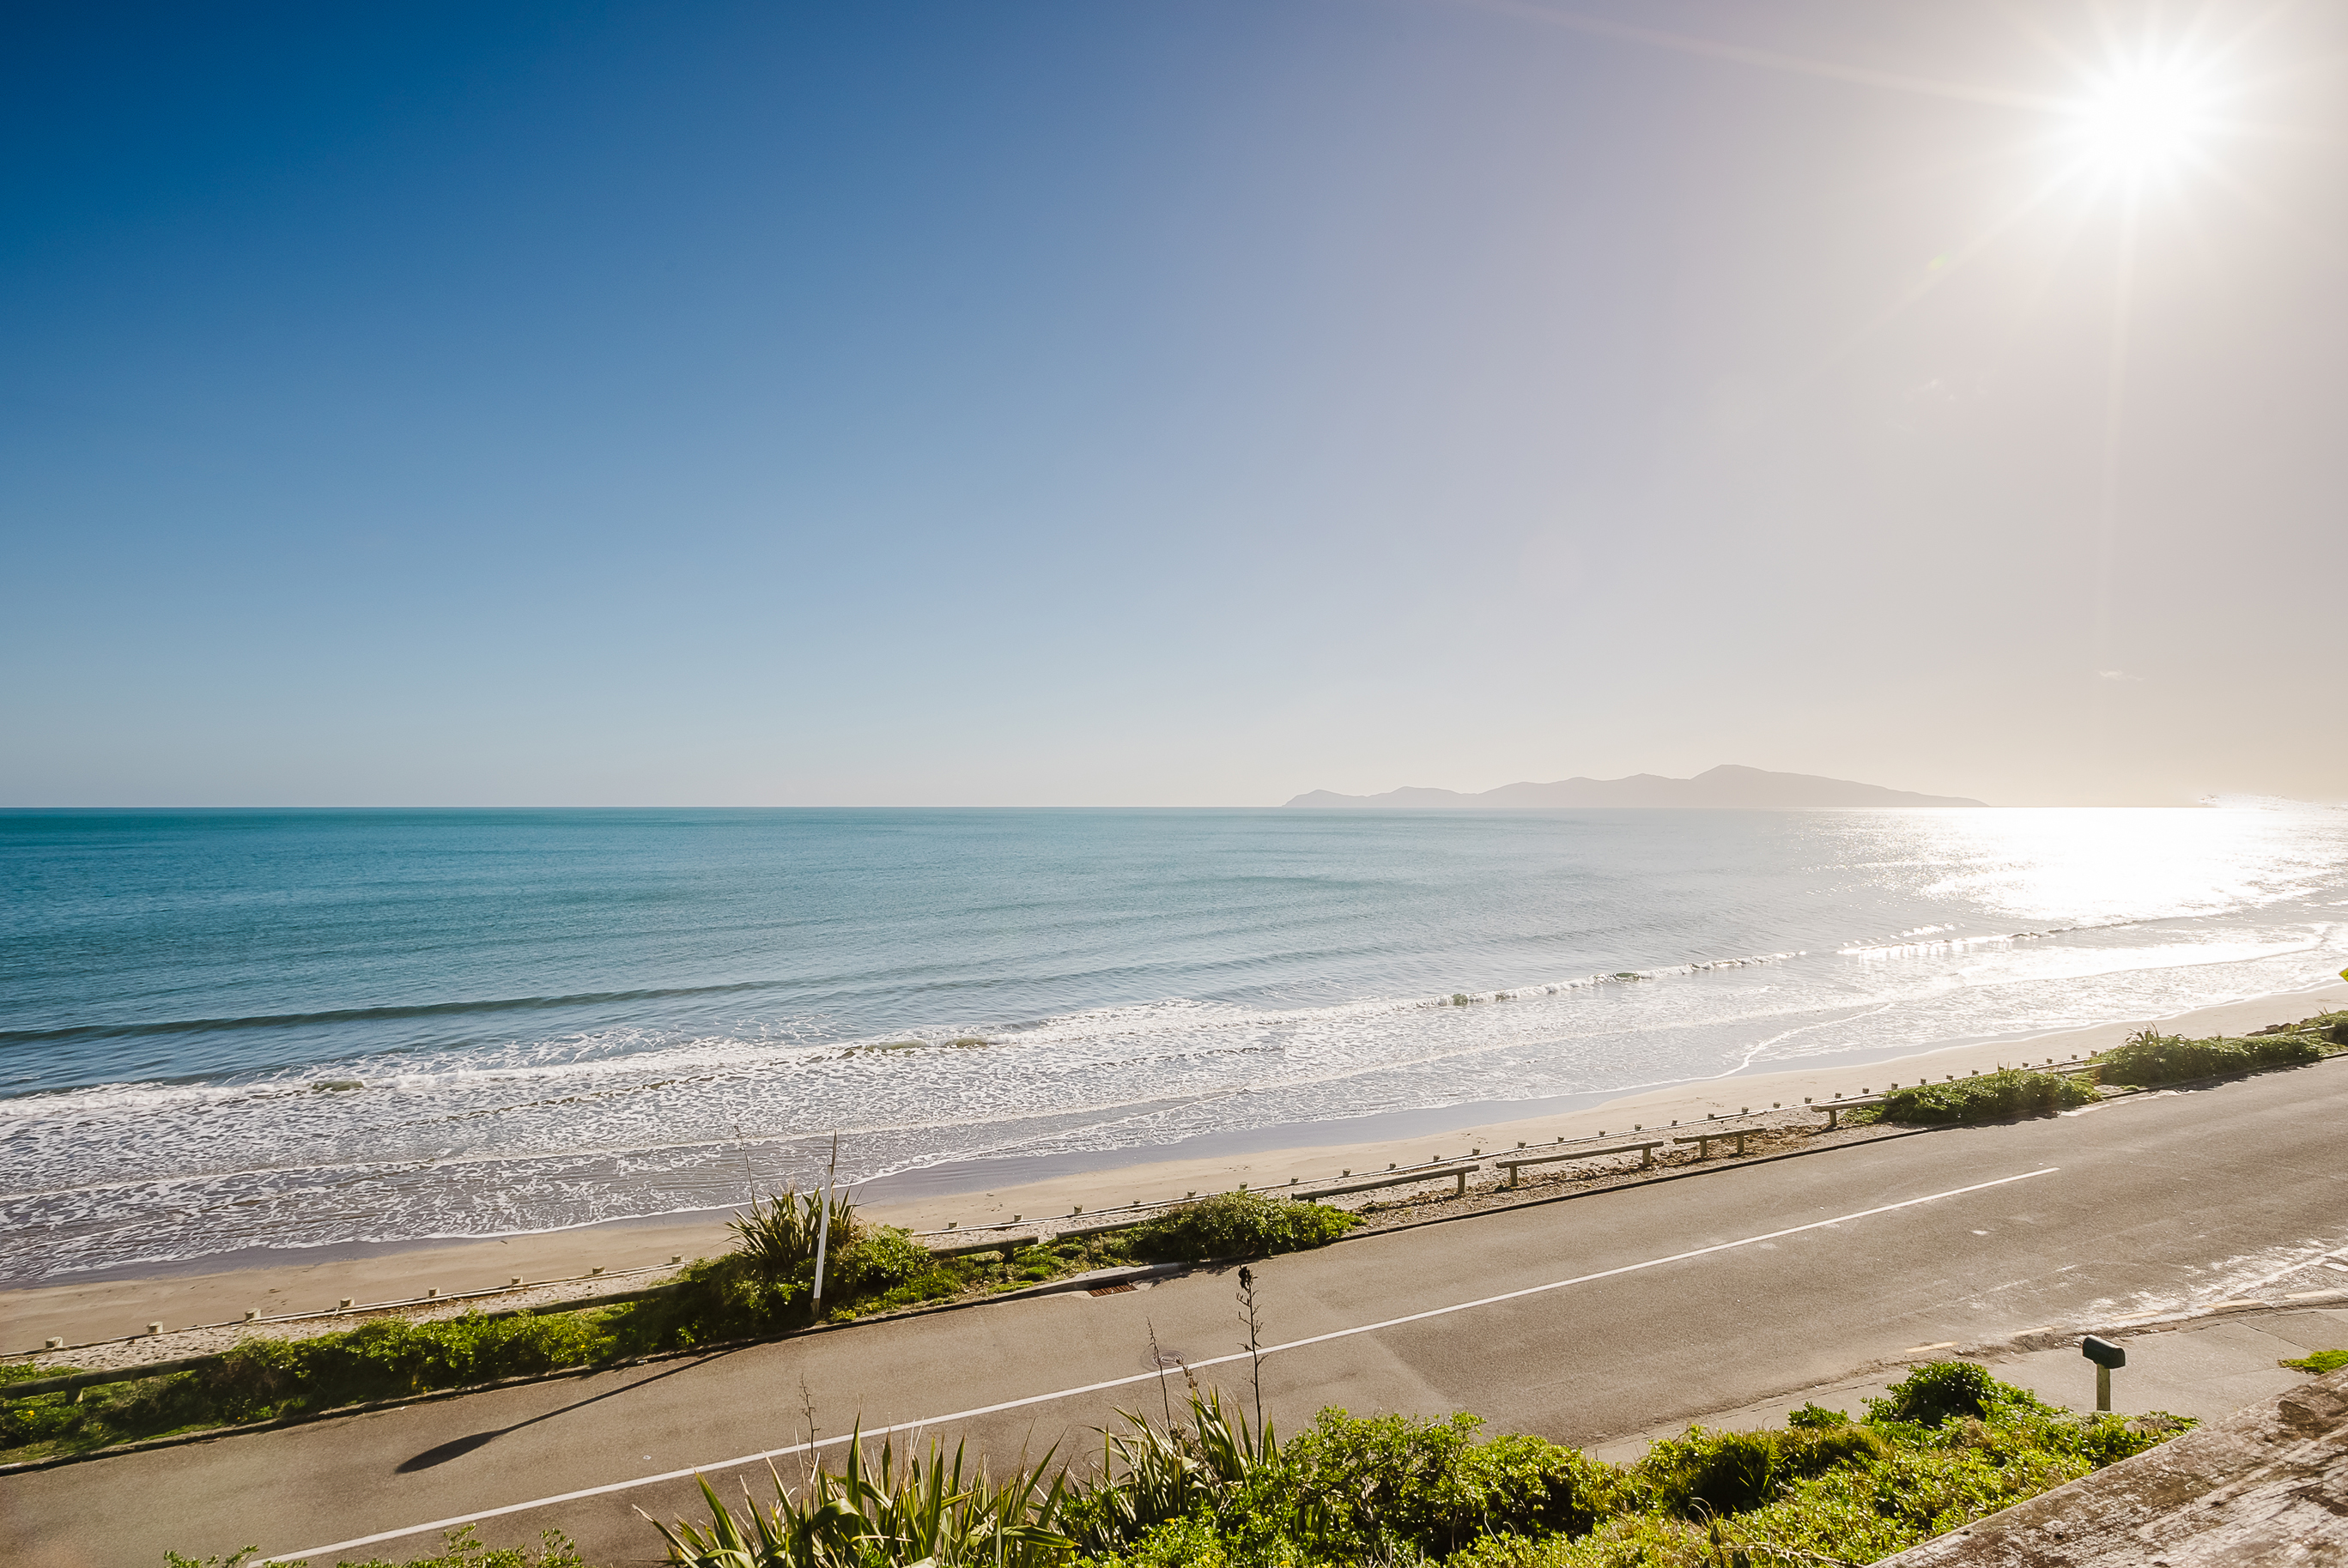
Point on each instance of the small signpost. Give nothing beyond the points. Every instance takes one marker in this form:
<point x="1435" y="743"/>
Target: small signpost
<point x="823" y="1222"/>
<point x="2106" y="1356"/>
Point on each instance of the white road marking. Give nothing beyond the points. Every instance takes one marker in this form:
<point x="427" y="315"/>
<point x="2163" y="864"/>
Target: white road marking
<point x="1022" y="1403"/>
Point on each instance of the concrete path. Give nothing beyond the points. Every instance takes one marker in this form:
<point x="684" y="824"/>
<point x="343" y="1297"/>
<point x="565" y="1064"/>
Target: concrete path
<point x="2206" y="1370"/>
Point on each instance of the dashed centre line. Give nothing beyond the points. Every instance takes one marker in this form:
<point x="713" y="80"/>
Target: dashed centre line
<point x="764" y="1454"/>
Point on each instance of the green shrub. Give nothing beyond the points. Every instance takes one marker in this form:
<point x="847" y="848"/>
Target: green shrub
<point x="2317" y="1361"/>
<point x="1840" y="1492"/>
<point x="2150" y="1057"/>
<point x="1994" y="1097"/>
<point x="1812" y="1417"/>
<point x="1702" y="1473"/>
<point x="1934" y="1392"/>
<point x="1237" y="1224"/>
<point x="715" y="1299"/>
<point x="1368" y="1488"/>
<point x="881" y="1259"/>
<point x="1813" y="1450"/>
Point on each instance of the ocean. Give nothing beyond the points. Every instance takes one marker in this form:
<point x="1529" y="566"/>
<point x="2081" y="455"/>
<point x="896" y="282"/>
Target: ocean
<point x="230" y="1029"/>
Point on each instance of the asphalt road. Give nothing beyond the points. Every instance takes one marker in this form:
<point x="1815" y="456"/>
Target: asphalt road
<point x="1684" y="1297"/>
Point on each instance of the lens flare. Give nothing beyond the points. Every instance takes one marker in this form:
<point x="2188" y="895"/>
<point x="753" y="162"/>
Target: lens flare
<point x="2143" y="123"/>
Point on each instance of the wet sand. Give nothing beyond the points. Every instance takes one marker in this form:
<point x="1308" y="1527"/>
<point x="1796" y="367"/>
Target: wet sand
<point x="96" y="1309"/>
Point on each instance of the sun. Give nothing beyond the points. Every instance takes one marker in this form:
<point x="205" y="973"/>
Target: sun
<point x="2142" y="123"/>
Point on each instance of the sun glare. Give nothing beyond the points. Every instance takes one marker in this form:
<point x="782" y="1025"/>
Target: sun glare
<point x="2142" y="123"/>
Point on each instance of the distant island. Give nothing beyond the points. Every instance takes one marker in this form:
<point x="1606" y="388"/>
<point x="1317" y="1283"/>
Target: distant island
<point x="1727" y="785"/>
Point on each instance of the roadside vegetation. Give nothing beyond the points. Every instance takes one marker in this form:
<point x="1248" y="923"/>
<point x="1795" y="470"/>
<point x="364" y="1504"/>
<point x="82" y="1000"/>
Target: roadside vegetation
<point x="2147" y="1059"/>
<point x="764" y="1285"/>
<point x="1210" y="1488"/>
<point x="461" y="1549"/>
<point x="2150" y="1057"/>
<point x="1997" y="1096"/>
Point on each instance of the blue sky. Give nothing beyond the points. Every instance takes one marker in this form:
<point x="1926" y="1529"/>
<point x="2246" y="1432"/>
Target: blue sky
<point x="1198" y="403"/>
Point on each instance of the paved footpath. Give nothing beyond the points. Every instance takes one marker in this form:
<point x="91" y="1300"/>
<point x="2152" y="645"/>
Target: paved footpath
<point x="2207" y="1370"/>
<point x="1590" y="1321"/>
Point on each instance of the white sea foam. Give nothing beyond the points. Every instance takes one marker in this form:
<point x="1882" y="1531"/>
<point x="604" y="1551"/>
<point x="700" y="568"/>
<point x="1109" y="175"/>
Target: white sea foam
<point x="461" y="1130"/>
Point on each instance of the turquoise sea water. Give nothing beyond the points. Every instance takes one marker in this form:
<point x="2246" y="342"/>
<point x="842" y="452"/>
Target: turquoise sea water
<point x="223" y="1030"/>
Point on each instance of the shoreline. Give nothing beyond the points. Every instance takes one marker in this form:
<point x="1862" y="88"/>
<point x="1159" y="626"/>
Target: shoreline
<point x="118" y="1302"/>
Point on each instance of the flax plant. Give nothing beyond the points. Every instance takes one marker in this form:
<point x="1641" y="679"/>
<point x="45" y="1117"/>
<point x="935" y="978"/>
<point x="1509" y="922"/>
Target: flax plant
<point x="778" y="1234"/>
<point x="1150" y="1474"/>
<point x="930" y="1511"/>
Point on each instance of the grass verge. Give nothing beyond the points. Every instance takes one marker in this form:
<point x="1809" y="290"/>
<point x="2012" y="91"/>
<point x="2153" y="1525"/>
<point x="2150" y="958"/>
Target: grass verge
<point x="764" y="1286"/>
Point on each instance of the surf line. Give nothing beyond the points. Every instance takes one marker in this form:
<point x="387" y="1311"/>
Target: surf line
<point x="1022" y="1403"/>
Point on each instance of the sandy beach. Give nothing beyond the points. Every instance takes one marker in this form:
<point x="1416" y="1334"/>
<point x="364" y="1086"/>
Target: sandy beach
<point x="104" y="1308"/>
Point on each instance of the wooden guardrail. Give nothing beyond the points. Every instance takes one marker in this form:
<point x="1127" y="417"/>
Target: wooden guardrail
<point x="348" y="1307"/>
<point x="1645" y="1151"/>
<point x="1705" y="1141"/>
<point x="957" y="1241"/>
<point x="1404" y="1177"/>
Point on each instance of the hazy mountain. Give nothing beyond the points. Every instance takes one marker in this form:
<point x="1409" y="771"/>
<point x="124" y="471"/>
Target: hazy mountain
<point x="1727" y="786"/>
